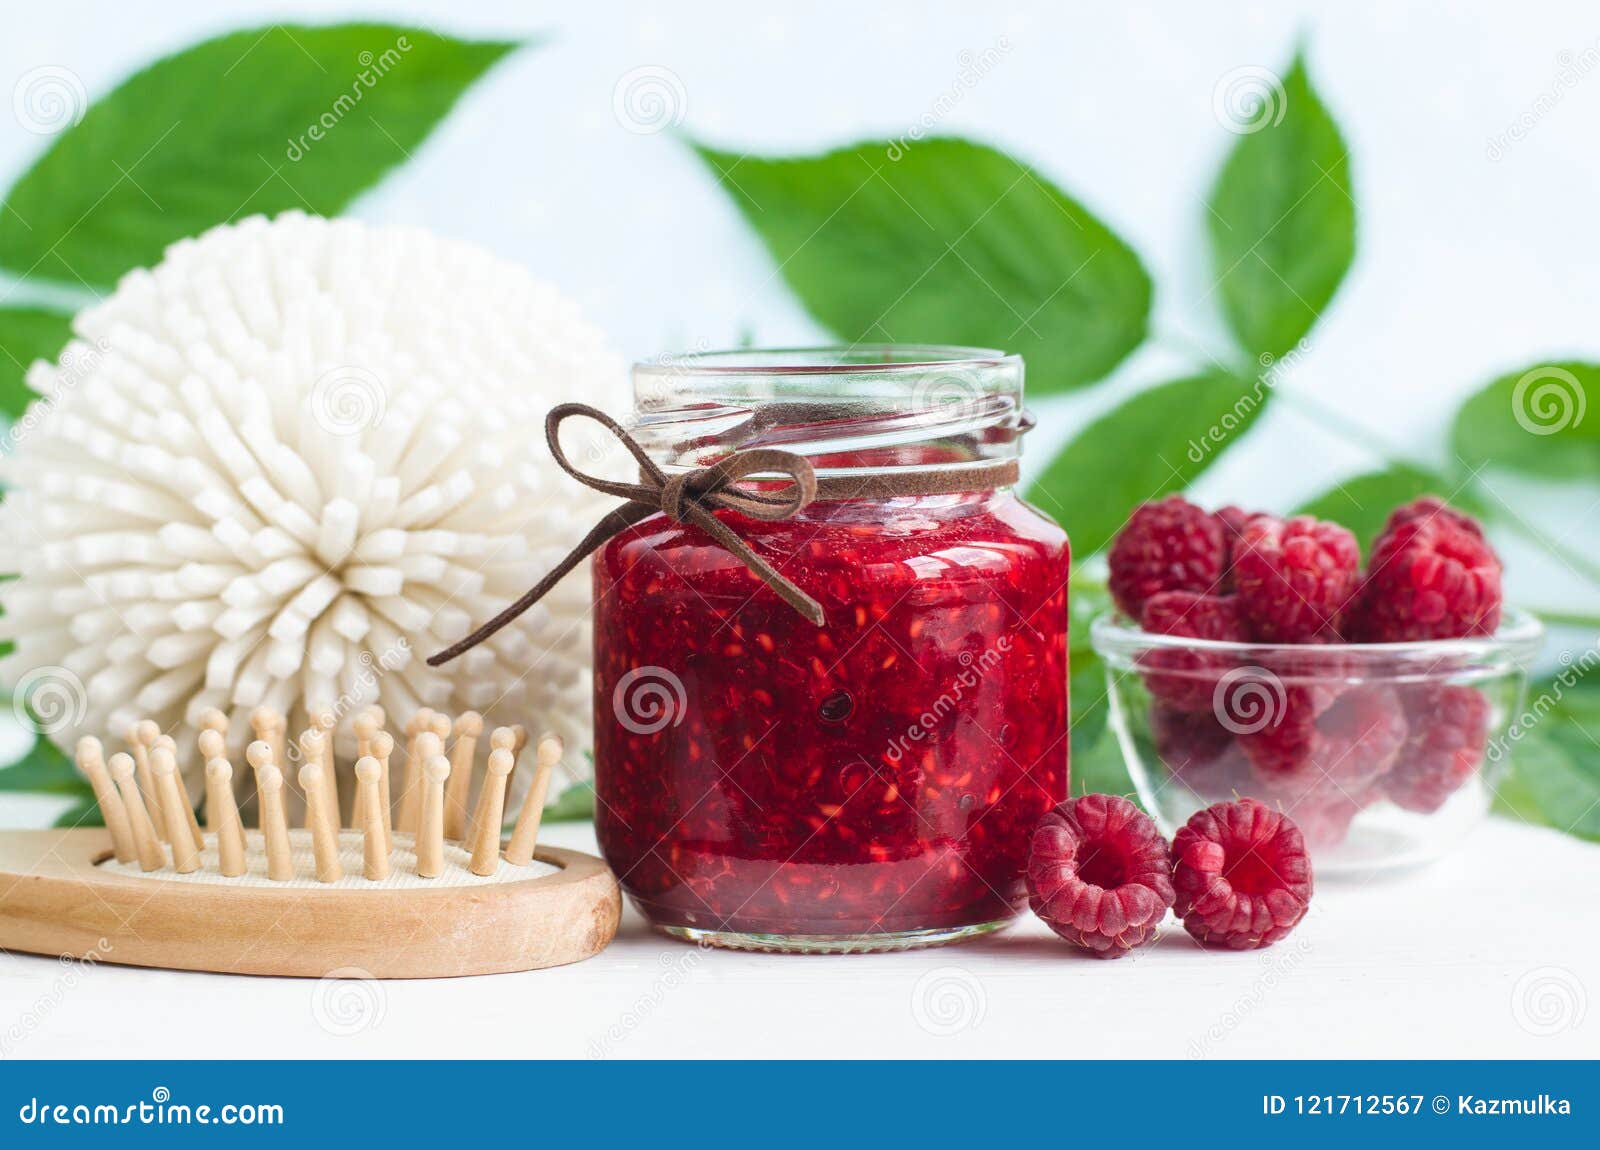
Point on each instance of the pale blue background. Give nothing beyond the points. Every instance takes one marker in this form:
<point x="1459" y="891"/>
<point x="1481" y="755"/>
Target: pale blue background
<point x="1467" y="266"/>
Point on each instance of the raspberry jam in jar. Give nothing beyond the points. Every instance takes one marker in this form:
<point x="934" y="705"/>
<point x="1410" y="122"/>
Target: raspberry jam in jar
<point x="871" y="783"/>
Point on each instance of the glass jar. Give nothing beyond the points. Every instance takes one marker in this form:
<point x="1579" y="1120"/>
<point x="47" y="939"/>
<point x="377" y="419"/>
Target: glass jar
<point x="872" y="783"/>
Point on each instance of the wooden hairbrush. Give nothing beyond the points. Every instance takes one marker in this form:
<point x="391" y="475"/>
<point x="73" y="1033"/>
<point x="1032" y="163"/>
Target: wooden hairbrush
<point x="427" y="892"/>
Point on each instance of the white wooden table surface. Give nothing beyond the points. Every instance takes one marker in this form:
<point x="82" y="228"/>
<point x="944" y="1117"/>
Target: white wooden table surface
<point x="1494" y="952"/>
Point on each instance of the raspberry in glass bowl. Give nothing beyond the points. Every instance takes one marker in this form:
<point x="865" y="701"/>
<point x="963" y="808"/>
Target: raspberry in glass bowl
<point x="1384" y="754"/>
<point x="870" y="784"/>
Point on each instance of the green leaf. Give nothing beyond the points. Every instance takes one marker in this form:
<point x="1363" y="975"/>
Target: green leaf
<point x="1157" y="442"/>
<point x="44" y="768"/>
<point x="27" y="334"/>
<point x="946" y="241"/>
<point x="1543" y="420"/>
<point x="263" y="120"/>
<point x="85" y="813"/>
<point x="1097" y="763"/>
<point x="1561" y="781"/>
<point x="1100" y="769"/>
<point x="1086" y="673"/>
<point x="1555" y="761"/>
<point x="1363" y="503"/>
<point x="1281" y="221"/>
<point x="576" y="804"/>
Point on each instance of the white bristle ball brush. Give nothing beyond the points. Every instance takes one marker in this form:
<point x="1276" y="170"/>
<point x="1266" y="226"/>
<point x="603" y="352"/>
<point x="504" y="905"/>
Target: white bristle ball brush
<point x="286" y="464"/>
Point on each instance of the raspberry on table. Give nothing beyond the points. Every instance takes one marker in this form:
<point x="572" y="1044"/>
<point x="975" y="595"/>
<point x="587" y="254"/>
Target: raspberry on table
<point x="1449" y="732"/>
<point x="1241" y="875"/>
<point x="1187" y="678"/>
<point x="1099" y="875"/>
<point x="1294" y="577"/>
<point x="1432" y="575"/>
<point x="1168" y="545"/>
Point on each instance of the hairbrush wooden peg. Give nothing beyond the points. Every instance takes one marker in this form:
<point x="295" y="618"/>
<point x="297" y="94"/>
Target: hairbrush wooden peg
<point x="211" y="746"/>
<point x="146" y="845"/>
<point x="140" y="737"/>
<point x="212" y="719"/>
<point x="170" y="745"/>
<point x="325" y="721"/>
<point x="311" y="746"/>
<point x="490" y="814"/>
<point x="526" y="835"/>
<point x="468" y="726"/>
<point x="500" y="739"/>
<point x="274" y="819"/>
<point x="91" y="761"/>
<point x="222" y="812"/>
<point x="374" y="845"/>
<point x="366" y="725"/>
<point x="185" y="855"/>
<point x="324" y="832"/>
<point x="272" y="728"/>
<point x="430" y="833"/>
<point x="382" y="749"/>
<point x="411" y="784"/>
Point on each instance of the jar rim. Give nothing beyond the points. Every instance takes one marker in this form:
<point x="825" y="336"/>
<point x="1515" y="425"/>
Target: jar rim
<point x="1517" y="640"/>
<point x="842" y="359"/>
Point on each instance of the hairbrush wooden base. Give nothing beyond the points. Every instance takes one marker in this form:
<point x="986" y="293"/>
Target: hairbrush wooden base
<point x="64" y="892"/>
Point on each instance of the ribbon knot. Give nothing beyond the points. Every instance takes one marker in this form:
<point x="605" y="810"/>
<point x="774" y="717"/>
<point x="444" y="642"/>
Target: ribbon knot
<point x="783" y="484"/>
<point x="690" y="497"/>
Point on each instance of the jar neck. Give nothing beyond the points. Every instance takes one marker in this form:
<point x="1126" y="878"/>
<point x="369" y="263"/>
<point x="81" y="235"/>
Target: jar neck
<point x="850" y="411"/>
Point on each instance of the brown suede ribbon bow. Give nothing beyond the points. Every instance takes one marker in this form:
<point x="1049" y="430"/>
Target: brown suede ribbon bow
<point x="694" y="496"/>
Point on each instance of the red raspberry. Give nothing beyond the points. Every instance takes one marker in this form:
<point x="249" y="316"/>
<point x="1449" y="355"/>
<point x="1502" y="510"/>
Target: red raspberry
<point x="1431" y="576"/>
<point x="1449" y="731"/>
<point x="1170" y="545"/>
<point x="1325" y="818"/>
<point x="1277" y="725"/>
<point x="1233" y="519"/>
<point x="1294" y="577"/>
<point x="1339" y="754"/>
<point x="1188" y="678"/>
<point x="1098" y="874"/>
<point x="1241" y="874"/>
<point x="1431" y="507"/>
<point x="1199" y="752"/>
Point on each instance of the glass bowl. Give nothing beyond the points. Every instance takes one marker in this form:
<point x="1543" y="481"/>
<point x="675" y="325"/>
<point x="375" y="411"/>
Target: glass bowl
<point x="1384" y="753"/>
